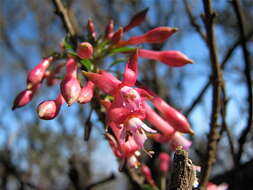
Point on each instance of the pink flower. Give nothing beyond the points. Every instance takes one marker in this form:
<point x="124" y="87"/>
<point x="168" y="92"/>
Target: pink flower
<point x="49" y="109"/>
<point x="70" y="86"/>
<point x="156" y="35"/>
<point x="158" y="122"/>
<point x="86" y="93"/>
<point x="170" y="58"/>
<point x="136" y="20"/>
<point x="172" y="116"/>
<point x="25" y="97"/>
<point x="164" y="161"/>
<point x="36" y="75"/>
<point x="84" y="50"/>
<point x="131" y="70"/>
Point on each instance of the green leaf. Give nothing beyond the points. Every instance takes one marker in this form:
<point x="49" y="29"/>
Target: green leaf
<point x="66" y="43"/>
<point x="87" y="64"/>
<point x="117" y="61"/>
<point x="122" y="50"/>
<point x="148" y="187"/>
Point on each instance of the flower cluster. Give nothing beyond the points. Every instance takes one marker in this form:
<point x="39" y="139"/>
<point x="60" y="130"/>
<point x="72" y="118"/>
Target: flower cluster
<point x="128" y="104"/>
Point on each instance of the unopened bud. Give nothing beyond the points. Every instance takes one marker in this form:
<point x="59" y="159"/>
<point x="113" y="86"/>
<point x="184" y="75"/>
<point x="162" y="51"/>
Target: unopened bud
<point x="109" y="30"/>
<point x="84" y="50"/>
<point x="117" y="36"/>
<point x="170" y="58"/>
<point x="70" y="86"/>
<point x="36" y="75"/>
<point x="49" y="109"/>
<point x="164" y="160"/>
<point x="86" y="93"/>
<point x="24" y="97"/>
<point x="136" y="20"/>
<point x="156" y="35"/>
<point x="90" y="27"/>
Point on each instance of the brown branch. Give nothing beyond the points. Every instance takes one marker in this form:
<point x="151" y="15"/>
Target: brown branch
<point x="66" y="18"/>
<point x="183" y="175"/>
<point x="192" y="20"/>
<point x="216" y="94"/>
<point x="107" y="179"/>
<point x="247" y="70"/>
<point x="208" y="83"/>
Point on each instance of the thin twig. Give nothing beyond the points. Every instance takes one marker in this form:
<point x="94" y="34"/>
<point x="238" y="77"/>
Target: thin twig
<point x="66" y="18"/>
<point x="208" y="83"/>
<point x="247" y="70"/>
<point x="107" y="179"/>
<point x="216" y="94"/>
<point x="192" y="20"/>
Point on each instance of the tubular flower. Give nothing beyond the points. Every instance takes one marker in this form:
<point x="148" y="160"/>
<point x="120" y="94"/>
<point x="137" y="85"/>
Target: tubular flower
<point x="70" y="86"/>
<point x="172" y="116"/>
<point x="170" y="58"/>
<point x="36" y="75"/>
<point x="49" y="109"/>
<point x="156" y="35"/>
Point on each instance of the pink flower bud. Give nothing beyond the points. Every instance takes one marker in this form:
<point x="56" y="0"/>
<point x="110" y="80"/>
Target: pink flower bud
<point x="136" y="20"/>
<point x="84" y="50"/>
<point x="36" y="75"/>
<point x="117" y="36"/>
<point x="147" y="173"/>
<point x="70" y="86"/>
<point x="109" y="30"/>
<point x="86" y="93"/>
<point x="90" y="27"/>
<point x="24" y="97"/>
<point x="170" y="58"/>
<point x="49" y="109"/>
<point x="164" y="159"/>
<point x="156" y="35"/>
<point x="172" y="116"/>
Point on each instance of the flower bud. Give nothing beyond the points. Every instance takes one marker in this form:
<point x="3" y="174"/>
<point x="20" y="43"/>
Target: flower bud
<point x="131" y="70"/>
<point x="90" y="27"/>
<point x="164" y="160"/>
<point x="49" y="109"/>
<point x="147" y="173"/>
<point x="136" y="20"/>
<point x="156" y="35"/>
<point x="86" y="93"/>
<point x="117" y="36"/>
<point x="109" y="30"/>
<point x="24" y="97"/>
<point x="36" y="75"/>
<point x="170" y="58"/>
<point x="84" y="50"/>
<point x="172" y="116"/>
<point x="70" y="86"/>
